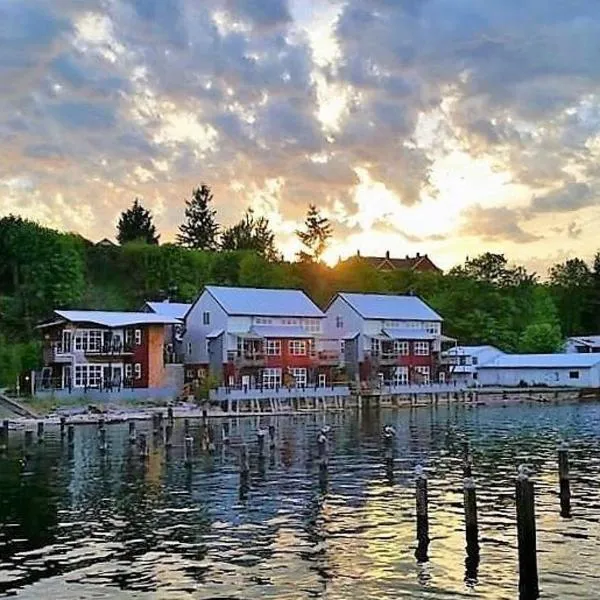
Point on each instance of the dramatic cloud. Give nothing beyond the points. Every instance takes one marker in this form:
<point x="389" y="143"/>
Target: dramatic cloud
<point x="358" y="106"/>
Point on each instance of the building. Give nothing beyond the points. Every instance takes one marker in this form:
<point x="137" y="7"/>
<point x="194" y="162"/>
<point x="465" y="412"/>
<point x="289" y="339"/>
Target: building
<point x="583" y="344"/>
<point x="420" y="262"/>
<point x="173" y="333"/>
<point x="106" y="243"/>
<point x="552" y="370"/>
<point x="251" y="337"/>
<point x="391" y="339"/>
<point x="105" y="351"/>
<point x="463" y="362"/>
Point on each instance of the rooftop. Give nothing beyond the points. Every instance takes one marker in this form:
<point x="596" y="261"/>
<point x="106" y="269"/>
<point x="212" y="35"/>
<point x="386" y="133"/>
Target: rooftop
<point x="176" y="310"/>
<point x="420" y="262"/>
<point x="472" y="350"/>
<point x="114" y="318"/>
<point x="542" y="361"/>
<point x="387" y="307"/>
<point x="586" y="340"/>
<point x="264" y="302"/>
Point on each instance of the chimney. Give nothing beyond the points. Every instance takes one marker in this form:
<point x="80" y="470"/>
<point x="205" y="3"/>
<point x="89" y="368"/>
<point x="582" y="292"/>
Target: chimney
<point x="358" y="253"/>
<point x="418" y="255"/>
<point x="387" y="254"/>
<point x="407" y="257"/>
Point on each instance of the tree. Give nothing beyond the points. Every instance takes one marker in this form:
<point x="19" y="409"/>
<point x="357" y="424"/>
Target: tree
<point x="494" y="269"/>
<point x="200" y="229"/>
<point x="540" y="338"/>
<point x="251" y="233"/>
<point x="135" y="225"/>
<point x="315" y="237"/>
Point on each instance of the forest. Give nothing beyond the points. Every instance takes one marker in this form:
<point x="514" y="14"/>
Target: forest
<point x="486" y="300"/>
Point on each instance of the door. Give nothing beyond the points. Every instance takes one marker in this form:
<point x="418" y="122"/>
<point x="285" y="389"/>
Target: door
<point x="117" y="375"/>
<point x="106" y="377"/>
<point x="442" y="377"/>
<point x="322" y="380"/>
<point x="66" y="382"/>
<point x="245" y="381"/>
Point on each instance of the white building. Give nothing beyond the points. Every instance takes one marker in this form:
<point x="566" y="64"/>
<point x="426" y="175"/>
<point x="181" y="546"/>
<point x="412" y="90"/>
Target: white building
<point x="583" y="344"/>
<point x="392" y="339"/>
<point x="552" y="370"/>
<point x="463" y="362"/>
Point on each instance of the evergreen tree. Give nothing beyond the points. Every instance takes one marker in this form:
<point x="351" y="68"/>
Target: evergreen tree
<point x="200" y="229"/>
<point x="315" y="237"/>
<point x="251" y="233"/>
<point x="135" y="225"/>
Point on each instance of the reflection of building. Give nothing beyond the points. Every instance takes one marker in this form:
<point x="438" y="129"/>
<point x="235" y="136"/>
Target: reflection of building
<point x="553" y="370"/>
<point x="394" y="339"/>
<point x="583" y="344"/>
<point x="463" y="361"/>
<point x="173" y="333"/>
<point x="103" y="351"/>
<point x="257" y="337"/>
<point x="420" y="263"/>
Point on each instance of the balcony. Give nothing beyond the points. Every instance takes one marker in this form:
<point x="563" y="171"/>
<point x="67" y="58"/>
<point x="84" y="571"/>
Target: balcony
<point x="54" y="352"/>
<point x="246" y="358"/>
<point x="115" y="348"/>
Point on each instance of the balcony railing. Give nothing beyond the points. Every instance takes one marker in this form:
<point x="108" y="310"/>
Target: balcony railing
<point x="110" y="349"/>
<point x="246" y="358"/>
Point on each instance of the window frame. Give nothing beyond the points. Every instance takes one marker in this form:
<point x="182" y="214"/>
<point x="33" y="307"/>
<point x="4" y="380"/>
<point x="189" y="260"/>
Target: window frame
<point x="273" y="347"/>
<point x="297" y="347"/>
<point x="206" y="317"/>
<point x="137" y="335"/>
<point x="137" y="371"/>
<point x="421" y="348"/>
<point x="299" y="373"/>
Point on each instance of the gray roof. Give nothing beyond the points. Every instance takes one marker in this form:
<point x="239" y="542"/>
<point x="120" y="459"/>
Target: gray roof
<point x="264" y="302"/>
<point x="471" y="350"/>
<point x="176" y="310"/>
<point x="114" y="318"/>
<point x="586" y="340"/>
<point x="379" y="306"/>
<point x="542" y="361"/>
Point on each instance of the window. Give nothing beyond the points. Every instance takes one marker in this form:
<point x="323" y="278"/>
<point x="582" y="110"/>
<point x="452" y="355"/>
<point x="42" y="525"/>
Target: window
<point x="442" y="377"/>
<point x="400" y="376"/>
<point x="422" y="375"/>
<point x="573" y="374"/>
<point x="128" y="370"/>
<point x="271" y="378"/>
<point x="95" y="340"/>
<point x="300" y="377"/>
<point x="273" y="347"/>
<point x="189" y="348"/>
<point x="80" y="376"/>
<point x="263" y="321"/>
<point x="375" y="346"/>
<point x="88" y="375"/>
<point x="138" y="337"/>
<point x="207" y="347"/>
<point x="297" y="347"/>
<point x="312" y="325"/>
<point x="401" y="348"/>
<point x="474" y="360"/>
<point x="339" y="322"/>
<point x="129" y="337"/>
<point x="88" y="340"/>
<point x="137" y="369"/>
<point x="421" y="348"/>
<point x="206" y="318"/>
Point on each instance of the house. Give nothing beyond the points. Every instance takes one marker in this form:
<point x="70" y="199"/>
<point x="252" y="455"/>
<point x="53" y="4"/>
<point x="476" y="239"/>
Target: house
<point x="583" y="344"/>
<point x="552" y="370"/>
<point x="393" y="339"/>
<point x="173" y="333"/>
<point x="253" y="337"/>
<point x="463" y="361"/>
<point x="106" y="243"/>
<point x="105" y="351"/>
<point x="420" y="262"/>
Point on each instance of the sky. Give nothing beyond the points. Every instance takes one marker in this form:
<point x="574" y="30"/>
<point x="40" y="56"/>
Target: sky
<point x="446" y="127"/>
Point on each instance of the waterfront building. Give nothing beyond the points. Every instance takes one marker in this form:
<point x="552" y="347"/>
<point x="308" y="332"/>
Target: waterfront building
<point x="392" y="340"/>
<point x="173" y="333"/>
<point x="583" y="344"/>
<point x="106" y="352"/>
<point x="251" y="337"/>
<point x="549" y="370"/>
<point x="420" y="263"/>
<point x="463" y="362"/>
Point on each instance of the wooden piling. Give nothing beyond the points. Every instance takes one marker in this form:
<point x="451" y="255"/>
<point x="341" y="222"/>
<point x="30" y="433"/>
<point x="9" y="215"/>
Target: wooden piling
<point x="170" y="417"/>
<point x="63" y="424"/>
<point x="188" y="450"/>
<point x="132" y="436"/>
<point x="71" y="435"/>
<point x="272" y="436"/>
<point x="244" y="472"/>
<point x="422" y="515"/>
<point x="101" y="423"/>
<point x="102" y="440"/>
<point x="168" y="434"/>
<point x="40" y="431"/>
<point x="467" y="461"/>
<point x="4" y="436"/>
<point x="525" y="501"/>
<point x="143" y="445"/>
<point x="564" y="480"/>
<point x="471" y="523"/>
<point x="186" y="427"/>
<point x="260" y="438"/>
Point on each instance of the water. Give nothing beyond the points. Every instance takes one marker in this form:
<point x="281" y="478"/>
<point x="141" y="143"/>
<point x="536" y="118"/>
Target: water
<point x="82" y="525"/>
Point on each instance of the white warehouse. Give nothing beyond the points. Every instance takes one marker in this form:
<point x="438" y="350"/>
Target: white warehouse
<point x="552" y="370"/>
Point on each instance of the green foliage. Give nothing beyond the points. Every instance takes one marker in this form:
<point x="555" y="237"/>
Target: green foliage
<point x="200" y="229"/>
<point x="541" y="338"/>
<point x="136" y="225"/>
<point x="315" y="236"/>
<point x="16" y="358"/>
<point x="251" y="233"/>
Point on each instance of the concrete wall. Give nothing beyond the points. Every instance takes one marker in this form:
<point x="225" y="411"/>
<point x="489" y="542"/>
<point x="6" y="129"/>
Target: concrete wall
<point x="163" y="393"/>
<point x="552" y="377"/>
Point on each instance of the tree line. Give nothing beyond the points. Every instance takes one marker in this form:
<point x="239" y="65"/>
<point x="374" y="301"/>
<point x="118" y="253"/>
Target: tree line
<point x="200" y="230"/>
<point x="486" y="300"/>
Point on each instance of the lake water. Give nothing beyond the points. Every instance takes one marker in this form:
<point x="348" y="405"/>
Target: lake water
<point x="82" y="525"/>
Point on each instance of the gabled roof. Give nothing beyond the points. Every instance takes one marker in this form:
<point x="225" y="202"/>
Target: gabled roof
<point x="472" y="350"/>
<point x="388" y="307"/>
<point x="543" y="361"/>
<point x="587" y="340"/>
<point x="409" y="263"/>
<point x="176" y="310"/>
<point x="112" y="318"/>
<point x="264" y="302"/>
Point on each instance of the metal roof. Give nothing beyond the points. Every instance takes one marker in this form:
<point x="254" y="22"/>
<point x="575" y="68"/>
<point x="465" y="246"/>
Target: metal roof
<point x="542" y="361"/>
<point x="115" y="319"/>
<point x="215" y="333"/>
<point x="264" y="302"/>
<point x="409" y="334"/>
<point x="380" y="306"/>
<point x="285" y="331"/>
<point x="471" y="350"/>
<point x="586" y="340"/>
<point x="176" y="310"/>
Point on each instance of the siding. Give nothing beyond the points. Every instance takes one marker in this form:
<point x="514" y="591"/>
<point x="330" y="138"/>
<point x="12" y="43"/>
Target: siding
<point x="156" y="370"/>
<point x="552" y="377"/>
<point x="196" y="331"/>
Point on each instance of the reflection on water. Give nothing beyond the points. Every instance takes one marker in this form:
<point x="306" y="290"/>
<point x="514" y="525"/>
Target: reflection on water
<point x="79" y="524"/>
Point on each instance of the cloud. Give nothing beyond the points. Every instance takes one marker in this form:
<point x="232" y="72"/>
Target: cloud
<point x="495" y="224"/>
<point x="570" y="198"/>
<point x="262" y="13"/>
